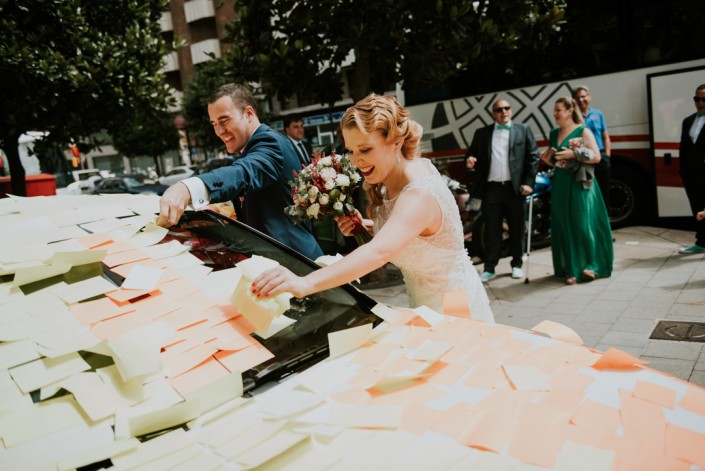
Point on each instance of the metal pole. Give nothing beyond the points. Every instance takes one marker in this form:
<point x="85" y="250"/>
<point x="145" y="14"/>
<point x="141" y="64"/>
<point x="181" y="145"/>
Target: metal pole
<point x="529" y="230"/>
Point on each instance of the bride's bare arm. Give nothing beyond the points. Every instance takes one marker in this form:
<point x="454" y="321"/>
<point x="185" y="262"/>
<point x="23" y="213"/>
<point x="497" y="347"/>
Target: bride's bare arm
<point x="416" y="211"/>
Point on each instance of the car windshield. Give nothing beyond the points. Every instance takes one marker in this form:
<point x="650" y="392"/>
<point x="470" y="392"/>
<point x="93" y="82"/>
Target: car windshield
<point x="221" y="243"/>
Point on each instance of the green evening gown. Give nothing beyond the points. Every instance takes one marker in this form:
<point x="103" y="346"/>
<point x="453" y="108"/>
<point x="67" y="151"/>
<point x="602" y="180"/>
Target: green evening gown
<point x="581" y="238"/>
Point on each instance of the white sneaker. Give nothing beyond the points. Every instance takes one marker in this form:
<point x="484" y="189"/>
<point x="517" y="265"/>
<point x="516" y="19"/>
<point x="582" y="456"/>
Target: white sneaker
<point x="517" y="273"/>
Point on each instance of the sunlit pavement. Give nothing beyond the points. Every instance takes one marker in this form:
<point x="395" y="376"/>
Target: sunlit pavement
<point x="651" y="282"/>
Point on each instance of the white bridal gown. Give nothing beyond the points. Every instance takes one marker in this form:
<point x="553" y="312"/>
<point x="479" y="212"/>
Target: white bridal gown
<point x="439" y="263"/>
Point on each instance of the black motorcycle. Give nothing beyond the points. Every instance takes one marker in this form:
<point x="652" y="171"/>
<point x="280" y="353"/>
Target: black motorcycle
<point x="537" y="214"/>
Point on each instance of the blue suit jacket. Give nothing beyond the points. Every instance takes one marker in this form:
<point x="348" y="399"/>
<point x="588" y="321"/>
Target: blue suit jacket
<point x="523" y="156"/>
<point x="262" y="174"/>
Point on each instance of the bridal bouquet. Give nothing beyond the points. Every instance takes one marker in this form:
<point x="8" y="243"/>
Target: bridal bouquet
<point x="324" y="189"/>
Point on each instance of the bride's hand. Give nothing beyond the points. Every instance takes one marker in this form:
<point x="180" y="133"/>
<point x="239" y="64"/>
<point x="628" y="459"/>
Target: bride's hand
<point x="278" y="280"/>
<point x="347" y="224"/>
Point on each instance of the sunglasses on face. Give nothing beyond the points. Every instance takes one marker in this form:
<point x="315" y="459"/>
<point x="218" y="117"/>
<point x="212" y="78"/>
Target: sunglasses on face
<point x="699" y="99"/>
<point x="502" y="108"/>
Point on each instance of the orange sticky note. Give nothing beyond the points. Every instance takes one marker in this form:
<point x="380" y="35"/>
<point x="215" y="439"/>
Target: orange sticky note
<point x="120" y="258"/>
<point x="490" y="430"/>
<point x="538" y="435"/>
<point x="97" y="310"/>
<point x="595" y="416"/>
<point x="614" y="359"/>
<point x="243" y="360"/>
<point x="122" y="295"/>
<point x="654" y="393"/>
<point x="643" y="422"/>
<point x="456" y="304"/>
<point x="95" y="240"/>
<point x="685" y="444"/>
<point x="418" y="418"/>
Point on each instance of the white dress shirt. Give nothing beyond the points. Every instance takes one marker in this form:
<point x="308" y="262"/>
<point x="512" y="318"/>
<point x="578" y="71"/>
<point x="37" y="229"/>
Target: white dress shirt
<point x="697" y="126"/>
<point x="499" y="164"/>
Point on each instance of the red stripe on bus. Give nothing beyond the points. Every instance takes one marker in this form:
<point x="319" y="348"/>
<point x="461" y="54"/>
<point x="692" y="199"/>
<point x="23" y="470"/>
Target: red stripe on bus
<point x="667" y="145"/>
<point x="629" y="137"/>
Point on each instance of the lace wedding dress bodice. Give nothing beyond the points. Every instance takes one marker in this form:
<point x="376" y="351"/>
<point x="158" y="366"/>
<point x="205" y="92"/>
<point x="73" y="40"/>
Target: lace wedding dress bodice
<point x="439" y="263"/>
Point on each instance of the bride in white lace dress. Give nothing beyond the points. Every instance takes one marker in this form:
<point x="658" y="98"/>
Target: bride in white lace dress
<point x="413" y="216"/>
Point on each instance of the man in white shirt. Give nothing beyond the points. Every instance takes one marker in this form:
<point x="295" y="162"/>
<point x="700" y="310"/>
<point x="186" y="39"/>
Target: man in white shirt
<point x="692" y="166"/>
<point x="505" y="157"/>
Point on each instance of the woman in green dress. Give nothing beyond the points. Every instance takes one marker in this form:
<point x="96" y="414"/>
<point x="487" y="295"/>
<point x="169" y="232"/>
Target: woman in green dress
<point x="581" y="238"/>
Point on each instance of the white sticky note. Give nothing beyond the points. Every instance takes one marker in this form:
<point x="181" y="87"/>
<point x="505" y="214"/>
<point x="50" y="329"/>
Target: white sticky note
<point x="429" y="315"/>
<point x="386" y="313"/>
<point x="344" y="341"/>
<point x="363" y="415"/>
<point x="136" y="352"/>
<point x="85" y="289"/>
<point x="44" y="371"/>
<point x="143" y="277"/>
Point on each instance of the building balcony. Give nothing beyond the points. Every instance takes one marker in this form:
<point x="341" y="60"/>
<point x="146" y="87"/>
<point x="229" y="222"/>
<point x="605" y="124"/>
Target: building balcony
<point x="198" y="9"/>
<point x="200" y="49"/>
<point x="172" y="63"/>
<point x="165" y="22"/>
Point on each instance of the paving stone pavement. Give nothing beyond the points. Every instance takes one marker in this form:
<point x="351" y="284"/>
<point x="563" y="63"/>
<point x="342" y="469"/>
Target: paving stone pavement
<point x="650" y="282"/>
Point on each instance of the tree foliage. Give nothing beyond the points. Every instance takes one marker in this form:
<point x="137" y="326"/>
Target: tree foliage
<point x="294" y="45"/>
<point x="147" y="132"/>
<point x="209" y="76"/>
<point x="73" y="68"/>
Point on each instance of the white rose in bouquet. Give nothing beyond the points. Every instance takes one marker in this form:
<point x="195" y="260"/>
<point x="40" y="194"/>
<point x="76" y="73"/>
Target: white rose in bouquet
<point x="328" y="173"/>
<point x="312" y="210"/>
<point x="326" y="161"/>
<point x="342" y="180"/>
<point x="323" y="199"/>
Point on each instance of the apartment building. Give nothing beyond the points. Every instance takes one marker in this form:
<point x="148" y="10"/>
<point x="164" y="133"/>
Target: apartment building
<point x="202" y="25"/>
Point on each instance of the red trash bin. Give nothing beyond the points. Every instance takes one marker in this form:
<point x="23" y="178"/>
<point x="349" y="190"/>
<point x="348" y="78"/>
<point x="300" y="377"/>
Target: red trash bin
<point x="43" y="184"/>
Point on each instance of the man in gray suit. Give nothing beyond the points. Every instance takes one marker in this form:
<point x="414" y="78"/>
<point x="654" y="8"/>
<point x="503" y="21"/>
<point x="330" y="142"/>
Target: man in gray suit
<point x="505" y="157"/>
<point x="261" y="173"/>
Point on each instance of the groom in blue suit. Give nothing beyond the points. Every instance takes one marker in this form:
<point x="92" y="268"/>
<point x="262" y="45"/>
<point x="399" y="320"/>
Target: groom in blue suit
<point x="261" y="173"/>
<point x="505" y="156"/>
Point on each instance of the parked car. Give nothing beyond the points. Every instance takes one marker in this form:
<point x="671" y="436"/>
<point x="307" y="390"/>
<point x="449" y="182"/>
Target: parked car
<point x="216" y="163"/>
<point x="167" y="366"/>
<point x="86" y="179"/>
<point x="177" y="174"/>
<point x="140" y="177"/>
<point x="130" y="185"/>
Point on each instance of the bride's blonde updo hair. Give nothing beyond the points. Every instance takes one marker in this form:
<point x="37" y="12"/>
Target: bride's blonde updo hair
<point x="386" y="115"/>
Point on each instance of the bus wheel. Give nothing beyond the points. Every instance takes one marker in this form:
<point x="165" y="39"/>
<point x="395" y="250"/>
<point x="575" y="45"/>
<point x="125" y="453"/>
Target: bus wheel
<point x="629" y="197"/>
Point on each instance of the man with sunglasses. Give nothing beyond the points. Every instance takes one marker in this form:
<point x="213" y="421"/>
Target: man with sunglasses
<point x="692" y="166"/>
<point x="505" y="157"/>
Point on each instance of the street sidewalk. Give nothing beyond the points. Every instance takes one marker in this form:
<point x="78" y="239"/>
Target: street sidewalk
<point x="651" y="282"/>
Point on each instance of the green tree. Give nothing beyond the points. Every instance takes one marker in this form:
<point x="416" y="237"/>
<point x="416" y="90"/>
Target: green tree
<point x="295" y="45"/>
<point x="73" y="68"/>
<point x="152" y="133"/>
<point x="209" y="76"/>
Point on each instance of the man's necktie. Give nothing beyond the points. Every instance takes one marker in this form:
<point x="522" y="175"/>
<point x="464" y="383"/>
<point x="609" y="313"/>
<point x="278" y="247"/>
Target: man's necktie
<point x="305" y="160"/>
<point x="502" y="126"/>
